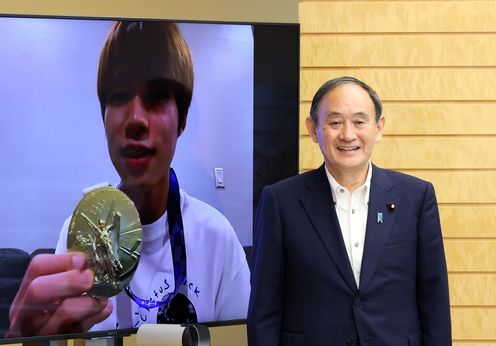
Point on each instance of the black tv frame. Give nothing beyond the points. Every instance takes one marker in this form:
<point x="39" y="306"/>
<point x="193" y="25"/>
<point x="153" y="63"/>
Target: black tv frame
<point x="275" y="129"/>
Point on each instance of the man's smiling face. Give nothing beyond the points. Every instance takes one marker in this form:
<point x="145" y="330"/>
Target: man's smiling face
<point x="346" y="129"/>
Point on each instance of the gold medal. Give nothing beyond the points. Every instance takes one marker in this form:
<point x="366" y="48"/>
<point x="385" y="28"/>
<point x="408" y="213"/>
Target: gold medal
<point x="106" y="227"/>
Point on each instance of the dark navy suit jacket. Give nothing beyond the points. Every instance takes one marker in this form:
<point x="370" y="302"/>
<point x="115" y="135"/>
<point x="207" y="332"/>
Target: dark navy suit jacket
<point x="303" y="289"/>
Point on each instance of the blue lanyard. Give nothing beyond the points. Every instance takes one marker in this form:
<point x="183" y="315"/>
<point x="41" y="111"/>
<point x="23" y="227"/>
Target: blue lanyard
<point x="178" y="247"/>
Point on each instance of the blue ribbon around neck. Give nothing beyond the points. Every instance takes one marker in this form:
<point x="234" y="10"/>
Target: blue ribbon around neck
<point x="178" y="247"/>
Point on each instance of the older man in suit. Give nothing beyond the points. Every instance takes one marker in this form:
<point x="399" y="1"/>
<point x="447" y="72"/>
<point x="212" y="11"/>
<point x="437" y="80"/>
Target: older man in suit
<point x="349" y="253"/>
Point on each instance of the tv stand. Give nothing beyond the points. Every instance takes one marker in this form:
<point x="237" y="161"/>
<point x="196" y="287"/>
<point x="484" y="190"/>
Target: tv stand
<point x="192" y="335"/>
<point x="104" y="341"/>
<point x="46" y="343"/>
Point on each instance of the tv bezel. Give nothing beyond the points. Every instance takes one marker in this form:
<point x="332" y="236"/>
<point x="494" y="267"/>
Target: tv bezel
<point x="262" y="77"/>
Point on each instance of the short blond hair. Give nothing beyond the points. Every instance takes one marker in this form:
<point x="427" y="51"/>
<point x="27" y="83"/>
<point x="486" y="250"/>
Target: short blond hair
<point x="146" y="51"/>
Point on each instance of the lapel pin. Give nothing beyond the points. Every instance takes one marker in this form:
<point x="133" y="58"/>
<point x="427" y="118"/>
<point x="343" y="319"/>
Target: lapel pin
<point x="391" y="206"/>
<point x="379" y="218"/>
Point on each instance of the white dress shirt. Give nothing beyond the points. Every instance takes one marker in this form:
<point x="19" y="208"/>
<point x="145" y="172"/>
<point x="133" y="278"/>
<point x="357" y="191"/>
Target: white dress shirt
<point x="351" y="209"/>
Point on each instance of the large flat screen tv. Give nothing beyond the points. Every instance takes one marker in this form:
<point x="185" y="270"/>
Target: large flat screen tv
<point x="240" y="134"/>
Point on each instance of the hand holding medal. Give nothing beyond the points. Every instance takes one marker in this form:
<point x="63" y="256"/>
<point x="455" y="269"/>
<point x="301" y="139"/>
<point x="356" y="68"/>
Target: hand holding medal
<point x="105" y="226"/>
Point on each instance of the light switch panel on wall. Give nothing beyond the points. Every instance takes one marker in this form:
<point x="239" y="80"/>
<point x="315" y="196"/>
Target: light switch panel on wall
<point x="219" y="177"/>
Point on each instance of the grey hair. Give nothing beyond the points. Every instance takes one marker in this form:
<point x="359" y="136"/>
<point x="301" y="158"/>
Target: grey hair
<point x="332" y="84"/>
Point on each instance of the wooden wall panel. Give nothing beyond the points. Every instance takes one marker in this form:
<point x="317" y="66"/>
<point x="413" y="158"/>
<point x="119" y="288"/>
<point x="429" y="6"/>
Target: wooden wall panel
<point x="473" y="324"/>
<point x="411" y="84"/>
<point x="436" y="152"/>
<point x="277" y="11"/>
<point x="440" y="118"/>
<point x="471" y="255"/>
<point x="461" y="187"/>
<point x="472" y="290"/>
<point x="413" y="118"/>
<point x="393" y="50"/>
<point x="420" y="152"/>
<point x="433" y="64"/>
<point x="397" y="16"/>
<point x="468" y="221"/>
<point x="452" y="186"/>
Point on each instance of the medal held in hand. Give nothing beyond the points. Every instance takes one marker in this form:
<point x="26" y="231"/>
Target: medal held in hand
<point x="106" y="227"/>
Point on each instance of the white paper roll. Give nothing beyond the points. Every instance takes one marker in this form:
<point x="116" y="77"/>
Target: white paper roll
<point x="160" y="335"/>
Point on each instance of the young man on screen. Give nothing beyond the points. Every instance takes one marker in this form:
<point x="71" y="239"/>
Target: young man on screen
<point x="145" y="84"/>
<point x="349" y="253"/>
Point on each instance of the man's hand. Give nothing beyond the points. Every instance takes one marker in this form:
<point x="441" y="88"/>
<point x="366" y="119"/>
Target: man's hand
<point x="52" y="300"/>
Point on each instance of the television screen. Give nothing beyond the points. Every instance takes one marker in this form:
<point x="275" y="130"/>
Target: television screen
<point x="88" y="103"/>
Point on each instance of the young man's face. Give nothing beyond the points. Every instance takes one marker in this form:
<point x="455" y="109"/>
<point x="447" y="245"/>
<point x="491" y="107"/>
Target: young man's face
<point x="141" y="124"/>
<point x="347" y="130"/>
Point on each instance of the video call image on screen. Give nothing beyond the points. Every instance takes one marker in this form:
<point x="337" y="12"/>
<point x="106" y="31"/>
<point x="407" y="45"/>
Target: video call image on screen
<point x="53" y="137"/>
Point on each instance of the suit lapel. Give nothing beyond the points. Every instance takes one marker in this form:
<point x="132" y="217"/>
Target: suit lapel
<point x="377" y="231"/>
<point x="326" y="224"/>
